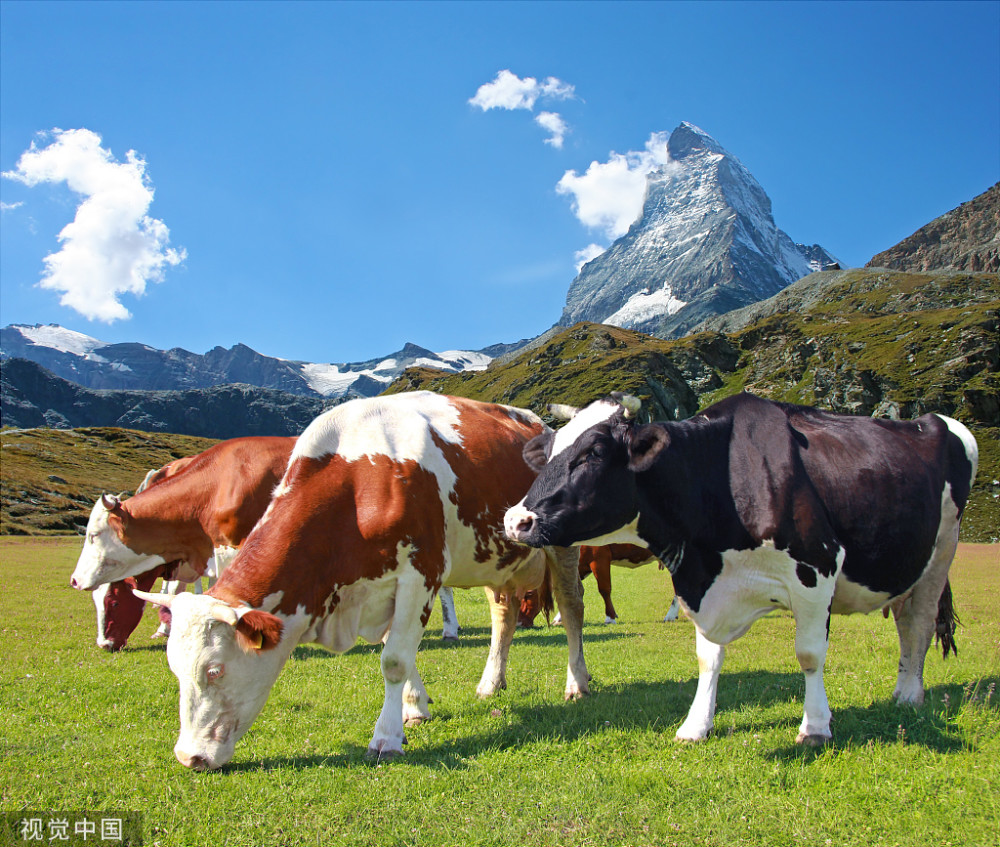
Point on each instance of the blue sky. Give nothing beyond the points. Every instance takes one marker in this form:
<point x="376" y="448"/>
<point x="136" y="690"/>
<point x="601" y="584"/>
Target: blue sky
<point x="322" y="182"/>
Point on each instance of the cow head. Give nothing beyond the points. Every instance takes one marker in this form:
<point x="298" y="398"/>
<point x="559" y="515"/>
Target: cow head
<point x="585" y="492"/>
<point x="106" y="557"/>
<point x="118" y="614"/>
<point x="226" y="663"/>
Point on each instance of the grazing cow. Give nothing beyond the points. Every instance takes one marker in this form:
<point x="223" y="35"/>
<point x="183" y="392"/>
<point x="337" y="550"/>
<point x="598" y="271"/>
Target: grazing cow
<point x="384" y="500"/>
<point x="755" y="506"/>
<point x="186" y="521"/>
<point x="118" y="609"/>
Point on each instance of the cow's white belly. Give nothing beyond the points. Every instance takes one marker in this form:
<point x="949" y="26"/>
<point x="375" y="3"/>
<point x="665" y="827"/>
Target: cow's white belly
<point x="751" y="584"/>
<point x="364" y="610"/>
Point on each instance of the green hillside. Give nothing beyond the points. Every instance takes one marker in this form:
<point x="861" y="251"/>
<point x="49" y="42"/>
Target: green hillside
<point x="51" y="478"/>
<point x="868" y="341"/>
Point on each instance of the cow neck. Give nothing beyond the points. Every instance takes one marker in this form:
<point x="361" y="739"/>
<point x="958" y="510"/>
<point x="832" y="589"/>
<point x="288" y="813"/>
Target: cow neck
<point x="164" y="522"/>
<point x="684" y="499"/>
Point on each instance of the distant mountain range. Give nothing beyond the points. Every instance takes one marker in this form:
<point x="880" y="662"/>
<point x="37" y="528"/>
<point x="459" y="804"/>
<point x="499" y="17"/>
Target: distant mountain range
<point x="706" y="243"/>
<point x="137" y="367"/>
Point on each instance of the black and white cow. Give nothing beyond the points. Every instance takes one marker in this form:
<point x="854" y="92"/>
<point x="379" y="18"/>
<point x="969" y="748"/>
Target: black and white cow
<point x="756" y="506"/>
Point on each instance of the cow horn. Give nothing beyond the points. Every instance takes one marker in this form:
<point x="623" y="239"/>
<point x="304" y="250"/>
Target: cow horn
<point x="631" y="403"/>
<point x="224" y="613"/>
<point x="157" y="599"/>
<point x="562" y="411"/>
<point x="110" y="502"/>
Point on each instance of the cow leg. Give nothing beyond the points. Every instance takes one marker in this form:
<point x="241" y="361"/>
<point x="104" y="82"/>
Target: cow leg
<point x="604" y="587"/>
<point x="563" y="564"/>
<point x="398" y="661"/>
<point x="449" y="631"/>
<point x="812" y="636"/>
<point x="701" y="716"/>
<point x="916" y="617"/>
<point x="503" y="619"/>
<point x="415" y="700"/>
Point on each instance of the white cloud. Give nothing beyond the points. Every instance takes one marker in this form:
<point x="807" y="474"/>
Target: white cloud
<point x="9" y="207"/>
<point x="555" y="126"/>
<point x="112" y="246"/>
<point x="591" y="251"/>
<point x="508" y="91"/>
<point x="609" y="195"/>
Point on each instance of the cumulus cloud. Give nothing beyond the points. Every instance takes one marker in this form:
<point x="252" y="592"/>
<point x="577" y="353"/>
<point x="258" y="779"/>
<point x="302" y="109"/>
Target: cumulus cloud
<point x="508" y="91"/>
<point x="112" y="246"/>
<point x="608" y="196"/>
<point x="555" y="126"/>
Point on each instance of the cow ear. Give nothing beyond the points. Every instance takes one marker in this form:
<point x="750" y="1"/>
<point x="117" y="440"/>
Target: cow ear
<point x="645" y="444"/>
<point x="257" y="630"/>
<point x="537" y="451"/>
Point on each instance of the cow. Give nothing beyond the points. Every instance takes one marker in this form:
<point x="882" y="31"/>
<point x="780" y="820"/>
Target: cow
<point x="754" y="506"/>
<point x="184" y="522"/>
<point x="203" y="506"/>
<point x="384" y="500"/>
<point x="596" y="561"/>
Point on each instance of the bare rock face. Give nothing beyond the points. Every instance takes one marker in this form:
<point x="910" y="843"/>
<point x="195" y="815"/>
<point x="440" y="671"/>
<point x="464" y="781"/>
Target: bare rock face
<point x="964" y="239"/>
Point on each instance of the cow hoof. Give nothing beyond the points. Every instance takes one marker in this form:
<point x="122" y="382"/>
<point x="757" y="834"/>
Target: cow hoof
<point x="577" y="693"/>
<point x="376" y="756"/>
<point x="690" y="739"/>
<point x="416" y="720"/>
<point x="812" y="740"/>
<point x="449" y="638"/>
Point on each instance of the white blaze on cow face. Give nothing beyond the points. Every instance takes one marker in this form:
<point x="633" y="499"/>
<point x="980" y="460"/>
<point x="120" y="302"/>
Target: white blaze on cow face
<point x="223" y="684"/>
<point x="104" y="557"/>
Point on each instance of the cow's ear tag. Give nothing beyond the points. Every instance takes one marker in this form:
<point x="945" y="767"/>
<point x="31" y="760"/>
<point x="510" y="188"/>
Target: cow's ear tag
<point x="257" y="640"/>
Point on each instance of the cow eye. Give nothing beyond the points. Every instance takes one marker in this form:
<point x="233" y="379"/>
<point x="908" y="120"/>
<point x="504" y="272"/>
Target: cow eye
<point x="598" y="451"/>
<point x="215" y="672"/>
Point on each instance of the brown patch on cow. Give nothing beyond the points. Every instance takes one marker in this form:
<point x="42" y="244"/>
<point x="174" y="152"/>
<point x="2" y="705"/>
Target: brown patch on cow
<point x="214" y="499"/>
<point x="339" y="523"/>
<point x="493" y="437"/>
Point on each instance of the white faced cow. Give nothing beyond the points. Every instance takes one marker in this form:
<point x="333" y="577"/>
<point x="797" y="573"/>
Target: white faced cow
<point x="187" y="519"/>
<point x="384" y="500"/>
<point x="755" y="506"/>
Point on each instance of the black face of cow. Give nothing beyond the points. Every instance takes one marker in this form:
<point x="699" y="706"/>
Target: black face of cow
<point x="586" y="487"/>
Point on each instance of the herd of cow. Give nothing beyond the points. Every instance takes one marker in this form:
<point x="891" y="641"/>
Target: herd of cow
<point x="353" y="529"/>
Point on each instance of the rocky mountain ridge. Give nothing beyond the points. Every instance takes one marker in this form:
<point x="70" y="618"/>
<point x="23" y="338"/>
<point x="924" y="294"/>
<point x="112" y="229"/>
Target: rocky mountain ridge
<point x="965" y="239"/>
<point x="706" y="243"/>
<point x="94" y="364"/>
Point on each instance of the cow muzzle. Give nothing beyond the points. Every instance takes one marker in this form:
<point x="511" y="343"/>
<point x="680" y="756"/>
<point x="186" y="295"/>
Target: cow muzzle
<point x="521" y="525"/>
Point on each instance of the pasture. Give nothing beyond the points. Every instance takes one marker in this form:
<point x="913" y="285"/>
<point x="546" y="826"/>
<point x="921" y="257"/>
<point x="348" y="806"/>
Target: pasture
<point x="85" y="730"/>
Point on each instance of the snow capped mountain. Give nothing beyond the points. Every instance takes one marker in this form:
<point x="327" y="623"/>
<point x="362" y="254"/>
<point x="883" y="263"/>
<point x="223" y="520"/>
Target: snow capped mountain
<point x="706" y="242"/>
<point x="96" y="364"/>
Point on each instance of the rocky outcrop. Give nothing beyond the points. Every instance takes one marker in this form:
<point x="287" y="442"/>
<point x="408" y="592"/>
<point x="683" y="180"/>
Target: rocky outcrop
<point x="965" y="239"/>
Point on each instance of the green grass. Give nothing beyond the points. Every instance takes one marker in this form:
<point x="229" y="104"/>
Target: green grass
<point x="82" y="729"/>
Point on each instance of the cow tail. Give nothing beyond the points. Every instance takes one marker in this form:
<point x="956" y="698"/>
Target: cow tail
<point x="947" y="622"/>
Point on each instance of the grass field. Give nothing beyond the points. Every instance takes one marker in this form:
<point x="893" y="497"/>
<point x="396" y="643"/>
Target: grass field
<point x="84" y="730"/>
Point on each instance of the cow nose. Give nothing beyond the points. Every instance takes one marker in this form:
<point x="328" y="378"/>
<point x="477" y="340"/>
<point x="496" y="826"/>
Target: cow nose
<point x="73" y="583"/>
<point x="193" y="761"/>
<point x="519" y="523"/>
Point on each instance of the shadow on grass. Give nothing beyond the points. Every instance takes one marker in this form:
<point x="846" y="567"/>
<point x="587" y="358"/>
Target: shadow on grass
<point x="660" y="707"/>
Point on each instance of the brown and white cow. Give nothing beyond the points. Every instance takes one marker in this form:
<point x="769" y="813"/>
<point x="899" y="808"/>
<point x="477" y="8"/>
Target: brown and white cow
<point x="385" y="500"/>
<point x="223" y="494"/>
<point x="755" y="506"/>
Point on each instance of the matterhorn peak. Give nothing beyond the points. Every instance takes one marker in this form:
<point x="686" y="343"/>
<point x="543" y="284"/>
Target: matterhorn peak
<point x="688" y="138"/>
<point x="705" y="243"/>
